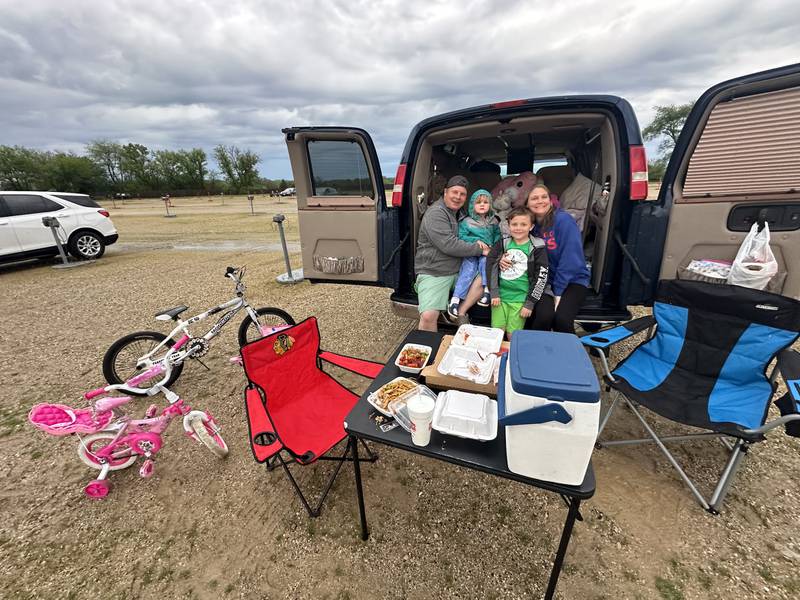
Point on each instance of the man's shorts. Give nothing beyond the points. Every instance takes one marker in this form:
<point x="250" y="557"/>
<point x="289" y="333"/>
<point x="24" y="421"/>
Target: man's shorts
<point x="506" y="317"/>
<point x="433" y="291"/>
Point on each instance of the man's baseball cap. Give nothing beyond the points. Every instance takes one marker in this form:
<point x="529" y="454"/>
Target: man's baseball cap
<point x="457" y="180"/>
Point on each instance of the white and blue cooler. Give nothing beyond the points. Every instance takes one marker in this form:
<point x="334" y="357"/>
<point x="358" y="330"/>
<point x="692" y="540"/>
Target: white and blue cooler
<point x="549" y="402"/>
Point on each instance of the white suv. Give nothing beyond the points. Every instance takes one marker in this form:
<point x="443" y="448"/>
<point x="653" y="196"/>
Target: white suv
<point x="86" y="228"/>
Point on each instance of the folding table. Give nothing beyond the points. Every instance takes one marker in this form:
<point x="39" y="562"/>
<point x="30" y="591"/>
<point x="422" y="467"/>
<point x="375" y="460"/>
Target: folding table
<point x="489" y="457"/>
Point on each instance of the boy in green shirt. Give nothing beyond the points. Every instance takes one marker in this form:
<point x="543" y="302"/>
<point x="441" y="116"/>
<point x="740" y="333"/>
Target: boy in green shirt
<point x="516" y="290"/>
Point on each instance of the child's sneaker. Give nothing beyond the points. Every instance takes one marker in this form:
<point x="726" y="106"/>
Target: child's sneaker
<point x="452" y="308"/>
<point x="486" y="299"/>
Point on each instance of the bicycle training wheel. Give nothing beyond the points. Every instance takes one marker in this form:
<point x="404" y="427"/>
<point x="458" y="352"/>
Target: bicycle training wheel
<point x="211" y="439"/>
<point x="119" y="361"/>
<point x="90" y="445"/>
<point x="267" y="317"/>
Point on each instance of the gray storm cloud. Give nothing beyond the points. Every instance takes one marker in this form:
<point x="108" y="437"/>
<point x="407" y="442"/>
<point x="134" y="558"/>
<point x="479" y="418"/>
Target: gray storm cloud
<point x="184" y="74"/>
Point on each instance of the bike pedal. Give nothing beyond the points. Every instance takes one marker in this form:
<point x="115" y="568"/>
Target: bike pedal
<point x="146" y="470"/>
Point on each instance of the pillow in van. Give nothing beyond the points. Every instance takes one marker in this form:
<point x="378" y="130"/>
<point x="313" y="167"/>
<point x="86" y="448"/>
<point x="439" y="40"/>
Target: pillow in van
<point x="576" y="196"/>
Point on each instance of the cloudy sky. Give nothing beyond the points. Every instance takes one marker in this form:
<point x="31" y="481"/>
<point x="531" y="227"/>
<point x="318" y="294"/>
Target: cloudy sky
<point x="183" y="74"/>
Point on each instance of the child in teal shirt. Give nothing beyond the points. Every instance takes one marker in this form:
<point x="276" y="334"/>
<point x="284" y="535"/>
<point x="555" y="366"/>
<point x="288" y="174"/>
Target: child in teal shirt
<point x="480" y="224"/>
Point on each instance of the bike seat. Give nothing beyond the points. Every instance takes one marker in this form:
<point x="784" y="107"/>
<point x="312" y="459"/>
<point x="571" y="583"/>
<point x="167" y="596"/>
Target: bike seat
<point x="171" y="313"/>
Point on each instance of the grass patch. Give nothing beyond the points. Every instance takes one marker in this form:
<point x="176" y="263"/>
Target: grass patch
<point x="668" y="590"/>
<point x="705" y="580"/>
<point x="766" y="574"/>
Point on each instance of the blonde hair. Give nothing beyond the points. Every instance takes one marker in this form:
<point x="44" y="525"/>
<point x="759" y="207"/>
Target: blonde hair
<point x="546" y="221"/>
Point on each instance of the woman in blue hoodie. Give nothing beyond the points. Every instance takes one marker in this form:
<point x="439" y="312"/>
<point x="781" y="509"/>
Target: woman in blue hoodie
<point x="569" y="277"/>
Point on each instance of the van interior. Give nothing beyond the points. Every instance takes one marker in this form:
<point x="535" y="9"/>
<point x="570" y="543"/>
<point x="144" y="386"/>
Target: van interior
<point x="575" y="155"/>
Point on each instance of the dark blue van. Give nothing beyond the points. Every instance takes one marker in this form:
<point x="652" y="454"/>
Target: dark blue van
<point x="737" y="160"/>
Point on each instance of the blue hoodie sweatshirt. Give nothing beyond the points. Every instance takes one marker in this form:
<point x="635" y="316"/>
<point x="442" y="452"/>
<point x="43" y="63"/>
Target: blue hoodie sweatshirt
<point x="564" y="252"/>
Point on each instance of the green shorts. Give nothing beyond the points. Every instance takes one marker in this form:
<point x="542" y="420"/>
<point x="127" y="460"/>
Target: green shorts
<point x="506" y="317"/>
<point x="433" y="291"/>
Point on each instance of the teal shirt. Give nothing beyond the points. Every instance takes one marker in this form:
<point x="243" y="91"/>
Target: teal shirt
<point x="514" y="280"/>
<point x="471" y="230"/>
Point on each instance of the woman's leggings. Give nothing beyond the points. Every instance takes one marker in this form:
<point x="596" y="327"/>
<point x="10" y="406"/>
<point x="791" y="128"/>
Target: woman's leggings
<point x="546" y="318"/>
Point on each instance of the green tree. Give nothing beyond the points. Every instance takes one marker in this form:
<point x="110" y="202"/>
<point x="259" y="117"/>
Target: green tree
<point x="70" y="173"/>
<point x="194" y="166"/>
<point x="656" y="168"/>
<point x="21" y="168"/>
<point x="107" y="155"/>
<point x="238" y="167"/>
<point x="136" y="168"/>
<point x="667" y="125"/>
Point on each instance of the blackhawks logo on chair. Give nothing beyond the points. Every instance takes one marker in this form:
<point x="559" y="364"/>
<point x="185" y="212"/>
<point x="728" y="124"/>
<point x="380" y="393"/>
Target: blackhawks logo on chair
<point x="283" y="344"/>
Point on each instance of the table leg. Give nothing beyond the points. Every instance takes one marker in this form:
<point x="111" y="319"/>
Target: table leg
<point x="359" y="489"/>
<point x="566" y="534"/>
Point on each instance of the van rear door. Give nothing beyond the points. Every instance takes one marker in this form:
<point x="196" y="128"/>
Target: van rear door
<point x="348" y="234"/>
<point x="736" y="160"/>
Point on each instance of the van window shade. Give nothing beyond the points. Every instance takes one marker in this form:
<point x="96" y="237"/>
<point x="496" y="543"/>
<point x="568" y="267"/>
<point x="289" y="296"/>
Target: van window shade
<point x="749" y="146"/>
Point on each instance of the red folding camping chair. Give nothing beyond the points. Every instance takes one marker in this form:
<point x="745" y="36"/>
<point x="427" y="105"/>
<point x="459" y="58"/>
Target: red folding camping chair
<point x="296" y="408"/>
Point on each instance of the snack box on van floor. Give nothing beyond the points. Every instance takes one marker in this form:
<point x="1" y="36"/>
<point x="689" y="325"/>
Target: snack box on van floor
<point x="549" y="402"/>
<point x="447" y="382"/>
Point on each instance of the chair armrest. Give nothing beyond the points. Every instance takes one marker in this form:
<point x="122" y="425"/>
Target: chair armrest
<point x="789" y="366"/>
<point x="609" y="337"/>
<point x="359" y="366"/>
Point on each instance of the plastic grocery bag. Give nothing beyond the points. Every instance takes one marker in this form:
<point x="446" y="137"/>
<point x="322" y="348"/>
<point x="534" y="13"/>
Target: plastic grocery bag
<point x="755" y="263"/>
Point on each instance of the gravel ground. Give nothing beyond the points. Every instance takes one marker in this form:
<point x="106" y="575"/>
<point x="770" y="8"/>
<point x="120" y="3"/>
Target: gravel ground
<point x="206" y="528"/>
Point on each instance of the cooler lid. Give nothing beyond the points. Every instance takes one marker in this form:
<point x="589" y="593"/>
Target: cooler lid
<point x="552" y="365"/>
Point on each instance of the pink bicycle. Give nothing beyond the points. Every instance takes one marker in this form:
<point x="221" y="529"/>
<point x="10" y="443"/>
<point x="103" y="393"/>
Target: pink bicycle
<point x="110" y="442"/>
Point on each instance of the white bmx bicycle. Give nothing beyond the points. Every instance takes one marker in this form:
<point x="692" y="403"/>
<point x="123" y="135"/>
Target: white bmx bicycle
<point x="138" y="352"/>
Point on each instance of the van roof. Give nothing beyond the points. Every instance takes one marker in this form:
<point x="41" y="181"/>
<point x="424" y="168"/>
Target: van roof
<point x="629" y="125"/>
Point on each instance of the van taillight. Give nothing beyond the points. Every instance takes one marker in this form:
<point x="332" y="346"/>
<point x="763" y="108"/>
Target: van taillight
<point x="638" y="173"/>
<point x="104" y="213"/>
<point x="397" y="190"/>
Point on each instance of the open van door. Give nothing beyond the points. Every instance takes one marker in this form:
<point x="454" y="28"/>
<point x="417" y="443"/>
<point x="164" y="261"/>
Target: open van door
<point x="348" y="234"/>
<point x="736" y="162"/>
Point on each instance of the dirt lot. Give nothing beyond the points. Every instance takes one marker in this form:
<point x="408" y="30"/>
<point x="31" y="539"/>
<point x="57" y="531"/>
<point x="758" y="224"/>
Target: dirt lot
<point x="206" y="528"/>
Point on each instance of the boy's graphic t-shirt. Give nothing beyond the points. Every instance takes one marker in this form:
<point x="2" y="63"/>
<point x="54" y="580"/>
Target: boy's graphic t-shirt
<point x="514" y="280"/>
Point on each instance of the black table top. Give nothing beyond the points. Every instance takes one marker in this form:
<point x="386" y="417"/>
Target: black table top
<point x="489" y="457"/>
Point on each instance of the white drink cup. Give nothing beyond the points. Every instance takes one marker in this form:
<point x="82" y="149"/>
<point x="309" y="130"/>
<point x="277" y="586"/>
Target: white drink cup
<point x="420" y="412"/>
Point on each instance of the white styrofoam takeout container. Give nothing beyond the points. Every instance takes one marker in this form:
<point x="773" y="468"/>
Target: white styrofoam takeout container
<point x="412" y="370"/>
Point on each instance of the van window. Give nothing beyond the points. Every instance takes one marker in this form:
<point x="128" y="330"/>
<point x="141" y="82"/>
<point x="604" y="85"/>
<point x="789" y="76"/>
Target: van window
<point x="27" y="205"/>
<point x="748" y="146"/>
<point x="338" y="168"/>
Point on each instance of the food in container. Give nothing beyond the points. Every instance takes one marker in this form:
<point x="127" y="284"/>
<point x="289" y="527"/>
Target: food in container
<point x="384" y="395"/>
<point x="399" y="407"/>
<point x="468" y="363"/>
<point x="413" y="358"/>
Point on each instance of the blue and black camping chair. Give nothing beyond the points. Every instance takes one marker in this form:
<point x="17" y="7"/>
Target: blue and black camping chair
<point x="704" y="363"/>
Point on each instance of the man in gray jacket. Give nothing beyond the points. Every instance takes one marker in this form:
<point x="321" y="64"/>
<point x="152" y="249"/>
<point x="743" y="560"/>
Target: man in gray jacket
<point x="439" y="252"/>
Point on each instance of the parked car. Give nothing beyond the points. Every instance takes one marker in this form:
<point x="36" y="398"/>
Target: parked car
<point x="86" y="228"/>
<point x="122" y="196"/>
<point x="288" y="192"/>
<point x="735" y="160"/>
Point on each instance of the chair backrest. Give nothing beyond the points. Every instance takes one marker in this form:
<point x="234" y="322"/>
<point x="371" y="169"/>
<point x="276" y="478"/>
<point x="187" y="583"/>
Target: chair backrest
<point x="712" y="347"/>
<point x="280" y="362"/>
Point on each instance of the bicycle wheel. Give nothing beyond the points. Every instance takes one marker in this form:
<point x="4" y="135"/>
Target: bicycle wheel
<point x="119" y="361"/>
<point x="267" y="317"/>
<point x="211" y="439"/>
<point x="89" y="446"/>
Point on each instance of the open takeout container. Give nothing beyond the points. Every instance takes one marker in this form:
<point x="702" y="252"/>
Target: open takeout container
<point x="399" y="407"/>
<point x="419" y="347"/>
<point x="376" y="397"/>
<point x="468" y="363"/>
<point x="483" y="339"/>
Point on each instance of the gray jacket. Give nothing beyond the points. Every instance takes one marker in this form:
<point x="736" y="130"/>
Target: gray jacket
<point x="439" y="251"/>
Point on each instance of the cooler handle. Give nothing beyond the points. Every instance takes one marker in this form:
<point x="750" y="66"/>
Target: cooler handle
<point x="532" y="416"/>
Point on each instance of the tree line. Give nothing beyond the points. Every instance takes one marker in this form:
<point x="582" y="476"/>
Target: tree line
<point x="109" y="167"/>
